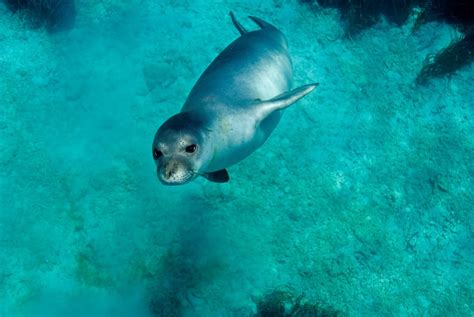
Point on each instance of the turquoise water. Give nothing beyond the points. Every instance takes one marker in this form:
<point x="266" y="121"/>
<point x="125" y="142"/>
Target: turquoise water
<point x="361" y="199"/>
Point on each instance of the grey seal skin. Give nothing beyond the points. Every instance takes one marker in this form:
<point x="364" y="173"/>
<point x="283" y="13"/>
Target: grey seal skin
<point x="231" y="110"/>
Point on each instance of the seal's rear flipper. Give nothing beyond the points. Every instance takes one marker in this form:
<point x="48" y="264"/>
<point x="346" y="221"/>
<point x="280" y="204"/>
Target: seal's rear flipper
<point x="237" y="24"/>
<point x="262" y="24"/>
<point x="217" y="177"/>
<point x="265" y="108"/>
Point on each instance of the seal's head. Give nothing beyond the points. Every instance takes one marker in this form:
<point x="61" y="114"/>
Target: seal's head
<point x="179" y="150"/>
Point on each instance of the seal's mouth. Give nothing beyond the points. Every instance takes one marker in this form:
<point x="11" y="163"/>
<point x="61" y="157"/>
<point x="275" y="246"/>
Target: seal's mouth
<point x="175" y="173"/>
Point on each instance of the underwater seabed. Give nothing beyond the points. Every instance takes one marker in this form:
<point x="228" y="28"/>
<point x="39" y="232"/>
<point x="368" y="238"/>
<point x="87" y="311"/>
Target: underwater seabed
<point x="360" y="203"/>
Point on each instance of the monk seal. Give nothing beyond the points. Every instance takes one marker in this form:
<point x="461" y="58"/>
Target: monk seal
<point x="231" y="110"/>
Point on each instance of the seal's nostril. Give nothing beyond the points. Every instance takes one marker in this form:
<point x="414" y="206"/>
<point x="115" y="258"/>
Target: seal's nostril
<point x="169" y="169"/>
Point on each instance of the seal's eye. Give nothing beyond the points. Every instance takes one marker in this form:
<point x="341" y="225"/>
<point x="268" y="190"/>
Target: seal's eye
<point x="156" y="154"/>
<point x="191" y="148"/>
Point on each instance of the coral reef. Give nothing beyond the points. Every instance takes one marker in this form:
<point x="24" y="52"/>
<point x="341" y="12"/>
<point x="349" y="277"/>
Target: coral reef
<point x="460" y="52"/>
<point x="57" y="15"/>
<point x="361" y="200"/>
<point x="359" y="15"/>
<point x="282" y="302"/>
<point x="457" y="55"/>
<point x="458" y="12"/>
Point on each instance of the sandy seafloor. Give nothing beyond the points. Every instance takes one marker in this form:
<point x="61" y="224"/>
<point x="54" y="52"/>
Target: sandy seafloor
<point x="362" y="198"/>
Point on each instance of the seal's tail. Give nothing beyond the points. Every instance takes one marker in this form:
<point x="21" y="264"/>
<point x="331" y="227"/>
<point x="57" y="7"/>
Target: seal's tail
<point x="262" y="24"/>
<point x="242" y="30"/>
<point x="237" y="24"/>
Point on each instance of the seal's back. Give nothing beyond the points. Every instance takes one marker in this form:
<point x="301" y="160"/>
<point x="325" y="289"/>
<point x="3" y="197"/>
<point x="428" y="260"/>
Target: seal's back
<point x="257" y="56"/>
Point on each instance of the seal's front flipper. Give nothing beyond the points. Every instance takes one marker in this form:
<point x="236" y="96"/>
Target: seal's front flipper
<point x="217" y="177"/>
<point x="265" y="108"/>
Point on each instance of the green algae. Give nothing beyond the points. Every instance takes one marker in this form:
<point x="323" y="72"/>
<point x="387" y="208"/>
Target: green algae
<point x="89" y="272"/>
<point x="282" y="302"/>
<point x="457" y="55"/>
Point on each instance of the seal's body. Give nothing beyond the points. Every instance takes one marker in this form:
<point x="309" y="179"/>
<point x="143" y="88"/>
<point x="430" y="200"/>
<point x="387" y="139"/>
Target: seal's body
<point x="231" y="110"/>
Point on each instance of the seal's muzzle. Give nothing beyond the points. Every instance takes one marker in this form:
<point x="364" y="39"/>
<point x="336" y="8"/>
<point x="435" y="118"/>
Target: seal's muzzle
<point x="175" y="171"/>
